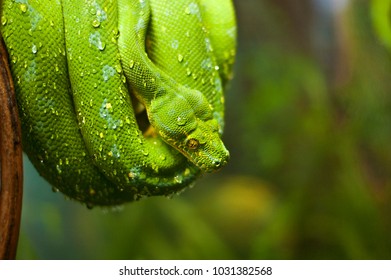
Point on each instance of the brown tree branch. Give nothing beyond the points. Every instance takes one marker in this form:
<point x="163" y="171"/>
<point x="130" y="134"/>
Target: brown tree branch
<point x="11" y="169"/>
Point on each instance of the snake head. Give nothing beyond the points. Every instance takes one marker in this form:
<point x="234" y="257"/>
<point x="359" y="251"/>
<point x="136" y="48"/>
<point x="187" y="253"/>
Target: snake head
<point x="185" y="121"/>
<point x="204" y="147"/>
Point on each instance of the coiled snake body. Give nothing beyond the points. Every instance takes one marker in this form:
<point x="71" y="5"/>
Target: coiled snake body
<point x="83" y="68"/>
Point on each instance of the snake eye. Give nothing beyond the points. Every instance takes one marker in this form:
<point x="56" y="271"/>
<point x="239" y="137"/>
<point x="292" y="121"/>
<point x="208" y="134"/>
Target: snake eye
<point x="192" y="144"/>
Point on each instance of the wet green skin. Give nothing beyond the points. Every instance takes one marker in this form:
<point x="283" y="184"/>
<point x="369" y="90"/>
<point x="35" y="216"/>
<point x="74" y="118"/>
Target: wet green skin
<point x="76" y="63"/>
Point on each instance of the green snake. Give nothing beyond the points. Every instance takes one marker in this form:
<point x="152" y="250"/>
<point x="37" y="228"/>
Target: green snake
<point x="121" y="99"/>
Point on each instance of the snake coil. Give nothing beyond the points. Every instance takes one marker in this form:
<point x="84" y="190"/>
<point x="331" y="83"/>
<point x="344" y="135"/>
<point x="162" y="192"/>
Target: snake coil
<point x="121" y="99"/>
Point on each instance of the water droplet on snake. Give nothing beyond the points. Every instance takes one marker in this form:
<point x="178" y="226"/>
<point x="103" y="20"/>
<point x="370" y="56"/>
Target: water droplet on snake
<point x="101" y="46"/>
<point x="178" y="178"/>
<point x="3" y="20"/>
<point x="181" y="121"/>
<point x="118" y="68"/>
<point x="95" y="23"/>
<point x="131" y="64"/>
<point x="23" y="7"/>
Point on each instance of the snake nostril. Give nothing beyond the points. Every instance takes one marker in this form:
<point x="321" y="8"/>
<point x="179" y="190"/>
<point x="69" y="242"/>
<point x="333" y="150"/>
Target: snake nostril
<point x="217" y="163"/>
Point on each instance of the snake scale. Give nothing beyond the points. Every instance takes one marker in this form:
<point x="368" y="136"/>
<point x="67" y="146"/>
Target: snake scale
<point x="121" y="99"/>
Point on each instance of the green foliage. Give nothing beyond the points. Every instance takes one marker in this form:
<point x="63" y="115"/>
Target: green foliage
<point x="380" y="12"/>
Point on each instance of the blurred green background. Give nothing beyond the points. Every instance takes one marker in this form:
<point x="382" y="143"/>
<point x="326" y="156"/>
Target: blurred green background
<point x="308" y="125"/>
